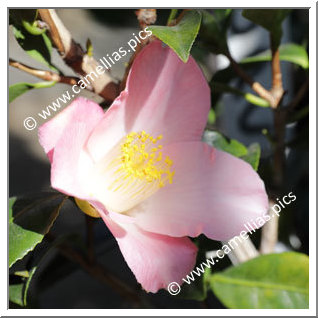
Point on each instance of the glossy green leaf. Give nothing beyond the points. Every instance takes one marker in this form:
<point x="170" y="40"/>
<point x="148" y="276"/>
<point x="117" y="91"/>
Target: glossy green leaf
<point x="18" y="89"/>
<point x="181" y="36"/>
<point x="270" y="19"/>
<point x="253" y="155"/>
<point x="29" y="220"/>
<point x="290" y="52"/>
<point x="220" y="142"/>
<point x="275" y="281"/>
<point x="213" y="30"/>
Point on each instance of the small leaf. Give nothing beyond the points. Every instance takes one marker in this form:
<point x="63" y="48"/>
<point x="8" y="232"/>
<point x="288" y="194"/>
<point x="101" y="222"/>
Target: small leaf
<point x="290" y="52"/>
<point x="181" y="36"/>
<point x="16" y="294"/>
<point x="213" y="30"/>
<point x="253" y="155"/>
<point x="18" y="89"/>
<point x="274" y="281"/>
<point x="32" y="28"/>
<point x="211" y="117"/>
<point x="29" y="220"/>
<point x="270" y="19"/>
<point x="89" y="48"/>
<point x="220" y="142"/>
<point x="217" y="87"/>
<point x="33" y="40"/>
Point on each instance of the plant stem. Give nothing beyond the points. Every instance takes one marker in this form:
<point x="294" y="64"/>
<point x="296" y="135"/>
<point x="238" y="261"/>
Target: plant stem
<point x="277" y="84"/>
<point x="45" y="75"/>
<point x="257" y="87"/>
<point x="172" y="16"/>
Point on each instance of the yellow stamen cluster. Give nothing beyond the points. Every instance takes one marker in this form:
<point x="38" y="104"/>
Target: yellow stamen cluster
<point x="142" y="164"/>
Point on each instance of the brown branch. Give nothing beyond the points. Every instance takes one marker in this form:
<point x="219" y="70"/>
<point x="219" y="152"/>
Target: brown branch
<point x="45" y="75"/>
<point x="75" y="57"/>
<point x="277" y="90"/>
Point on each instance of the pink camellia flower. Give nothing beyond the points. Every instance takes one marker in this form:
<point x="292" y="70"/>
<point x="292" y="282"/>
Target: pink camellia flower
<point x="142" y="165"/>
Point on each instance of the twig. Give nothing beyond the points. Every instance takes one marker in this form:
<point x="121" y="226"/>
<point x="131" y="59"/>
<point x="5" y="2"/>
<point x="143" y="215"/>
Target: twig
<point x="45" y="75"/>
<point x="257" y="87"/>
<point x="277" y="84"/>
<point x="145" y="18"/>
<point x="75" y="57"/>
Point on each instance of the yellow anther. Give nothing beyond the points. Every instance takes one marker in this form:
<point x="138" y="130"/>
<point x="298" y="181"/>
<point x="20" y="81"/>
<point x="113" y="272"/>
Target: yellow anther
<point x="139" y="162"/>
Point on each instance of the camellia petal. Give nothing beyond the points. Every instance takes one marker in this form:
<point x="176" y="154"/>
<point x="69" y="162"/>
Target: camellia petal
<point x="81" y="109"/>
<point x="63" y="139"/>
<point x="163" y="96"/>
<point x="156" y="260"/>
<point x="213" y="193"/>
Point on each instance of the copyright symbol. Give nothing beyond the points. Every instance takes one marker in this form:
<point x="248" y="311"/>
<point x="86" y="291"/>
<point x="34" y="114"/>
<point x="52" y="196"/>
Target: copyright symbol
<point x="174" y="288"/>
<point x="29" y="123"/>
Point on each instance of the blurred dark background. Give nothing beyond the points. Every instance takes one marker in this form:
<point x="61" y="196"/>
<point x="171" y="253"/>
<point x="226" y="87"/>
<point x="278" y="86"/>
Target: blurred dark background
<point x="59" y="283"/>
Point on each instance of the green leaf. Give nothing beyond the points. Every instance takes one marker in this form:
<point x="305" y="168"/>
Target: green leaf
<point x="181" y="36"/>
<point x="32" y="39"/>
<point x="290" y="52"/>
<point x="220" y="142"/>
<point x="275" y="281"/>
<point x="16" y="293"/>
<point x="29" y="220"/>
<point x="213" y="30"/>
<point x="253" y="155"/>
<point x="270" y="19"/>
<point x="18" y="89"/>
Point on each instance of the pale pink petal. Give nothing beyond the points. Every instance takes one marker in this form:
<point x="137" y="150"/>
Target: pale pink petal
<point x="156" y="260"/>
<point x="80" y="109"/>
<point x="212" y="192"/>
<point x="63" y="138"/>
<point x="163" y="95"/>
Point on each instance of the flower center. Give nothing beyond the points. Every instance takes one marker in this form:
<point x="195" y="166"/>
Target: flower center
<point x="137" y="169"/>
